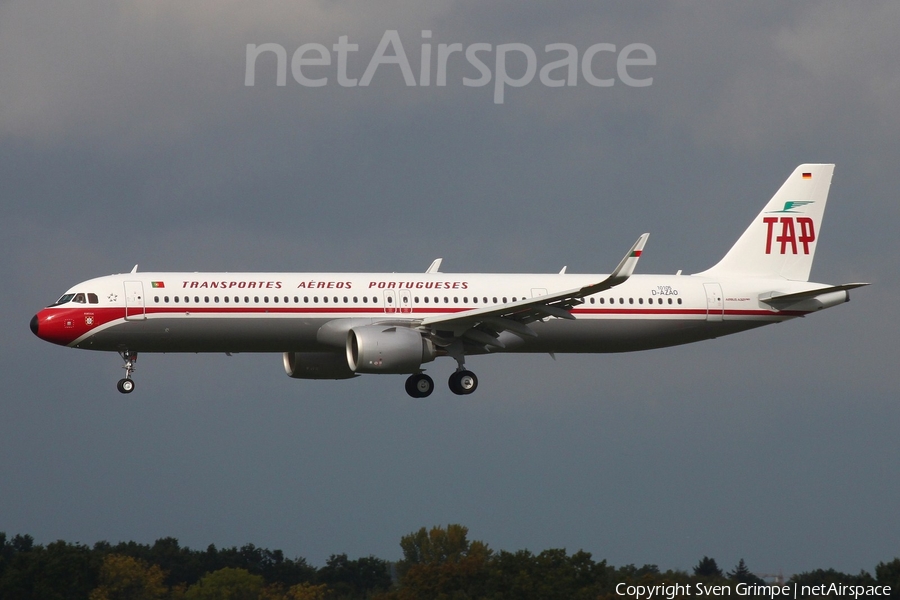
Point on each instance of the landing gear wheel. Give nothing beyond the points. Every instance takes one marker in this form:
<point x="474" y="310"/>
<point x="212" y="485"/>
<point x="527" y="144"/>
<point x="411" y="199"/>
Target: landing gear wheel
<point x="419" y="385"/>
<point x="463" y="383"/>
<point x="126" y="385"/>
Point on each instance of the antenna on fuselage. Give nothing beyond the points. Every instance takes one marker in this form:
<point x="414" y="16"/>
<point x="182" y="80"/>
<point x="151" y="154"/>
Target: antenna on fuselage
<point x="134" y="270"/>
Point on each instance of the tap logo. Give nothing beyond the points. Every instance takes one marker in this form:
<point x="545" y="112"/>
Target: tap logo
<point x="790" y="238"/>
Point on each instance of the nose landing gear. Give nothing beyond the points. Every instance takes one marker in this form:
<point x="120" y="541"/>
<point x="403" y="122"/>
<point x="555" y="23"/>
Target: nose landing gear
<point x="126" y="385"/>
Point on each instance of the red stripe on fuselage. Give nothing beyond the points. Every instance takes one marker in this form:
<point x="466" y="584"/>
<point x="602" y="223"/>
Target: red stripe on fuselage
<point x="65" y="325"/>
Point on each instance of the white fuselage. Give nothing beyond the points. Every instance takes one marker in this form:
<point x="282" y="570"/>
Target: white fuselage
<point x="285" y="312"/>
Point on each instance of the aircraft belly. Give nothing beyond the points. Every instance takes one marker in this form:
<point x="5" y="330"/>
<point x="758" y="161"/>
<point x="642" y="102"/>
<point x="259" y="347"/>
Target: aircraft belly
<point x="210" y="335"/>
<point x="625" y="335"/>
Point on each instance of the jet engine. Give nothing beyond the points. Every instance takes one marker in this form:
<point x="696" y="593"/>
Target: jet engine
<point x="317" y="365"/>
<point x="387" y="349"/>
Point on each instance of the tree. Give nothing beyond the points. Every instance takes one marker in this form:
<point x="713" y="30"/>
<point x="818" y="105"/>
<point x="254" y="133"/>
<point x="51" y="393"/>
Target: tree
<point x="889" y="574"/>
<point x="707" y="567"/>
<point x="226" y="584"/>
<point x="128" y="578"/>
<point x="442" y="563"/>
<point x="307" y="591"/>
<point x="355" y="578"/>
<point x="742" y="574"/>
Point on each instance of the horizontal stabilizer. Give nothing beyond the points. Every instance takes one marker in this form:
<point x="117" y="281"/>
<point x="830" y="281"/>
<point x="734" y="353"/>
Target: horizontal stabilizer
<point x="812" y="299"/>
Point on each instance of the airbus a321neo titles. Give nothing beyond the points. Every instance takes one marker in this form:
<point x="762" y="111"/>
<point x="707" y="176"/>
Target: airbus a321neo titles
<point x="341" y="325"/>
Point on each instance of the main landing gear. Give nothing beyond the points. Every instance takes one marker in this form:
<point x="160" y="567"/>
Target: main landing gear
<point x="419" y="385"/>
<point x="126" y="385"/>
<point x="462" y="383"/>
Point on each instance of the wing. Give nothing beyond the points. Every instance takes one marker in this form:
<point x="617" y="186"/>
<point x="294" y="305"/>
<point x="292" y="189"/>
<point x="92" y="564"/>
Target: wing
<point x="482" y="326"/>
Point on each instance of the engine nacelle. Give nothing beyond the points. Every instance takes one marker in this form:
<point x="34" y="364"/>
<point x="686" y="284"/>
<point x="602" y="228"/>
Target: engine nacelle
<point x="317" y="365"/>
<point x="387" y="349"/>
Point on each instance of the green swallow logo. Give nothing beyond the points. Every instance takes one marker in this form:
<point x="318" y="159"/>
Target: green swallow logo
<point x="790" y="205"/>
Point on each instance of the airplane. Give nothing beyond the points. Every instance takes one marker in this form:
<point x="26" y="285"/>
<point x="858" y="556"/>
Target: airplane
<point x="342" y="325"/>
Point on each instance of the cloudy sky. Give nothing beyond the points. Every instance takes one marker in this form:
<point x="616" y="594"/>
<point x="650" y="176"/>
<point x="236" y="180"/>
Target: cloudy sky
<point x="128" y="135"/>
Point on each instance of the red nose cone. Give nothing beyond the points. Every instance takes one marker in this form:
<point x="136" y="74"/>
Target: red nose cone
<point x="57" y="326"/>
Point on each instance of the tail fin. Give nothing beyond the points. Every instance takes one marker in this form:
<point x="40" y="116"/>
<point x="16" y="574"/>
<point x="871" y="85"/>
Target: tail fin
<point x="781" y="241"/>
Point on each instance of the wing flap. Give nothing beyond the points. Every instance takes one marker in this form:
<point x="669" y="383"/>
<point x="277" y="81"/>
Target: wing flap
<point x="500" y="317"/>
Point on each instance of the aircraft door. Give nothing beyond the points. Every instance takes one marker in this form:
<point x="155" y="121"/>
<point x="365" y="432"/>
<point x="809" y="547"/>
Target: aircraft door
<point x="405" y="301"/>
<point x="134" y="301"/>
<point x="390" y="301"/>
<point x="715" y="303"/>
<point x="535" y="292"/>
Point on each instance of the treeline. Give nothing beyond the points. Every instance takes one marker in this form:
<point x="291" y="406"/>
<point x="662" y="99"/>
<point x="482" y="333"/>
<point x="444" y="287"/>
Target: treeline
<point x="438" y="564"/>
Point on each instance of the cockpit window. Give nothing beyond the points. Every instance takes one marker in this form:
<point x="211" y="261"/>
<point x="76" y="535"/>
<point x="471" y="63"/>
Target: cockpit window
<point x="79" y="298"/>
<point x="92" y="299"/>
<point x="63" y="299"/>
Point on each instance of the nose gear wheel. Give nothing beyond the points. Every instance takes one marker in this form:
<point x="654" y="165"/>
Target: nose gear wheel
<point x="126" y="384"/>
